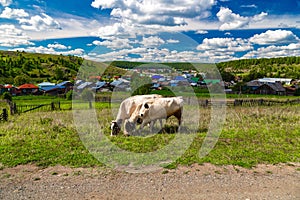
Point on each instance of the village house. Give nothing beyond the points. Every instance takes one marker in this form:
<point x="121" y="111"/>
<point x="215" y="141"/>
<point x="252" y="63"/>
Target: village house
<point x="28" y="88"/>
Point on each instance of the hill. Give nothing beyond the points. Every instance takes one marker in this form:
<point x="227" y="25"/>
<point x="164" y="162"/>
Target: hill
<point x="20" y="67"/>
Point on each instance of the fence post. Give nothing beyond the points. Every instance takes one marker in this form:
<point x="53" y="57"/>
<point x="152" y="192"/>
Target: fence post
<point x="90" y="105"/>
<point x="4" y="114"/>
<point x="52" y="106"/>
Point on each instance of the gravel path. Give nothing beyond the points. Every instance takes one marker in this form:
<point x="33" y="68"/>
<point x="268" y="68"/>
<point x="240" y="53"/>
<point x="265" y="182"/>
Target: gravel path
<point x="194" y="182"/>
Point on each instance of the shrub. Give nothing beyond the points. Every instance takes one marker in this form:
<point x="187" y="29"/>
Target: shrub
<point x="69" y="95"/>
<point x="87" y="95"/>
<point x="7" y="96"/>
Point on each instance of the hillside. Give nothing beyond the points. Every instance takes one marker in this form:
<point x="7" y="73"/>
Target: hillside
<point x="249" y="69"/>
<point x="20" y="67"/>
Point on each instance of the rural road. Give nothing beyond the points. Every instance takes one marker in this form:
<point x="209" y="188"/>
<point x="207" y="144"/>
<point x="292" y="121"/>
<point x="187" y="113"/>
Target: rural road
<point x="195" y="182"/>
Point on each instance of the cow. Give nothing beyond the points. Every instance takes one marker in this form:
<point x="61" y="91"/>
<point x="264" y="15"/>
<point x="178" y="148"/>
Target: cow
<point x="127" y="107"/>
<point x="157" y="109"/>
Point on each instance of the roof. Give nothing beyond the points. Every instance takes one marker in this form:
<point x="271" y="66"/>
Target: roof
<point x="9" y="86"/>
<point x="99" y="84"/>
<point x="254" y="83"/>
<point x="119" y="82"/>
<point x="157" y="77"/>
<point x="274" y="86"/>
<point x="54" y="87"/>
<point x="28" y="86"/>
<point x="83" y="85"/>
<point x="46" y="84"/>
<point x="273" y="80"/>
<point x="179" y="78"/>
<point x="64" y="83"/>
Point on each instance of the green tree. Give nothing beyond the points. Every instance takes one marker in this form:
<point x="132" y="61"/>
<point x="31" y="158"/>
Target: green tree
<point x="21" y="79"/>
<point x="140" y="84"/>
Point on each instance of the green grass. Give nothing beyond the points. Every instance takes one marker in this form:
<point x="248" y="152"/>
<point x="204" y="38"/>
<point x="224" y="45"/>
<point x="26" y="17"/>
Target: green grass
<point x="250" y="136"/>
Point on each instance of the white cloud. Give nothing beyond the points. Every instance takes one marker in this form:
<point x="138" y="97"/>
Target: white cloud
<point x="275" y="51"/>
<point x="13" y="13"/>
<point x="156" y="12"/>
<point x="152" y="41"/>
<point x="224" y="44"/>
<point x="46" y="50"/>
<point x="5" y="2"/>
<point x="115" y="43"/>
<point x="231" y="20"/>
<point x="114" y="30"/>
<point x="39" y="23"/>
<point x="172" y="41"/>
<point x="10" y="36"/>
<point x="201" y="32"/>
<point x="274" y="37"/>
<point x="249" y="6"/>
<point x="58" y="46"/>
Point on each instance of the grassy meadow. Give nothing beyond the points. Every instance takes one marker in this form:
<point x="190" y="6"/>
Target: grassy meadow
<point x="250" y="136"/>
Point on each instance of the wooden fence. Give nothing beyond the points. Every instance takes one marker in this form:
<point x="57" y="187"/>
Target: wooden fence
<point x="40" y="107"/>
<point x="18" y="109"/>
<point x="264" y="102"/>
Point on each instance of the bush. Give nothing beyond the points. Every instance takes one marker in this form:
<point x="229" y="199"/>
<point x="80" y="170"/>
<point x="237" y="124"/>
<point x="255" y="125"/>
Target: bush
<point x="69" y="95"/>
<point x="7" y="96"/>
<point x="87" y="95"/>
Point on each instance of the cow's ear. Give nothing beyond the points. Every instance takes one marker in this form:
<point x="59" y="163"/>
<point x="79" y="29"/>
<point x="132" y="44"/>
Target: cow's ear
<point x="146" y="105"/>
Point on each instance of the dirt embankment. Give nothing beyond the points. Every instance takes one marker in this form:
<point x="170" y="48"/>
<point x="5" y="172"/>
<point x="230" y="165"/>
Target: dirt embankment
<point x="195" y="182"/>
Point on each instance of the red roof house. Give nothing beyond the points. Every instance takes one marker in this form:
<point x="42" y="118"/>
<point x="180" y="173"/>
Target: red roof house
<point x="28" y="88"/>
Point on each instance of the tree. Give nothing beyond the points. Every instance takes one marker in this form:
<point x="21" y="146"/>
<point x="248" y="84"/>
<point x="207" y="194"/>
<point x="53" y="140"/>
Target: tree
<point x="140" y="84"/>
<point x="20" y="80"/>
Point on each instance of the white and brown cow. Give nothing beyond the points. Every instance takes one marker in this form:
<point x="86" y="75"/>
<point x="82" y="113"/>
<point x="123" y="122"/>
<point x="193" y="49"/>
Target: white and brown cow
<point x="127" y="107"/>
<point x="157" y="109"/>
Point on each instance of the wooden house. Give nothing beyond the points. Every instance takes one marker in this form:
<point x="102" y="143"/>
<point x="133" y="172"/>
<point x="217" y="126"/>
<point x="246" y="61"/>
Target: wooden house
<point x="271" y="89"/>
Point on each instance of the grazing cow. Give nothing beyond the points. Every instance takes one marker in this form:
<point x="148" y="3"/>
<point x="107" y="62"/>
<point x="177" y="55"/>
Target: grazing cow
<point x="157" y="109"/>
<point x="127" y="107"/>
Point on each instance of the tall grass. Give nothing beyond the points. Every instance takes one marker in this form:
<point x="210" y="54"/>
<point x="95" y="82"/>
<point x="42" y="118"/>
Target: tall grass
<point x="250" y="136"/>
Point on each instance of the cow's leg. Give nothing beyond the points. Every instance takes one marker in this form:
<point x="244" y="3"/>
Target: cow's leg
<point x="178" y="116"/>
<point x="161" y="124"/>
<point x="152" y="125"/>
<point x="126" y="133"/>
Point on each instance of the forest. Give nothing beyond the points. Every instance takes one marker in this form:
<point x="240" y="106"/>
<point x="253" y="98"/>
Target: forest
<point x="21" y="67"/>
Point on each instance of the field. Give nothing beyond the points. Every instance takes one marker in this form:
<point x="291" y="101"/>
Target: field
<point x="250" y="136"/>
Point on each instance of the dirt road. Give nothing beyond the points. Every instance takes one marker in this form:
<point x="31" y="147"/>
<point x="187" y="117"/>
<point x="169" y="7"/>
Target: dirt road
<point x="194" y="182"/>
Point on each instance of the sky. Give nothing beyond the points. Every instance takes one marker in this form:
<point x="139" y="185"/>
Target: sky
<point x="152" y="30"/>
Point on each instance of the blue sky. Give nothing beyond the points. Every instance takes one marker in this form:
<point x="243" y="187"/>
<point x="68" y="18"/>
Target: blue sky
<point x="153" y="30"/>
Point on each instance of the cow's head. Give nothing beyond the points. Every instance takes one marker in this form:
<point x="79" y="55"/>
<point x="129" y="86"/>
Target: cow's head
<point x="115" y="128"/>
<point x="144" y="110"/>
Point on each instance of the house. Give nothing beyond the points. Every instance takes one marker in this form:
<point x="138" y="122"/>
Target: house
<point x="46" y="85"/>
<point x="99" y="85"/>
<point x="12" y="90"/>
<point x="271" y="89"/>
<point x="121" y="84"/>
<point x="66" y="86"/>
<point x="291" y="90"/>
<point x="253" y="85"/>
<point x="28" y="88"/>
